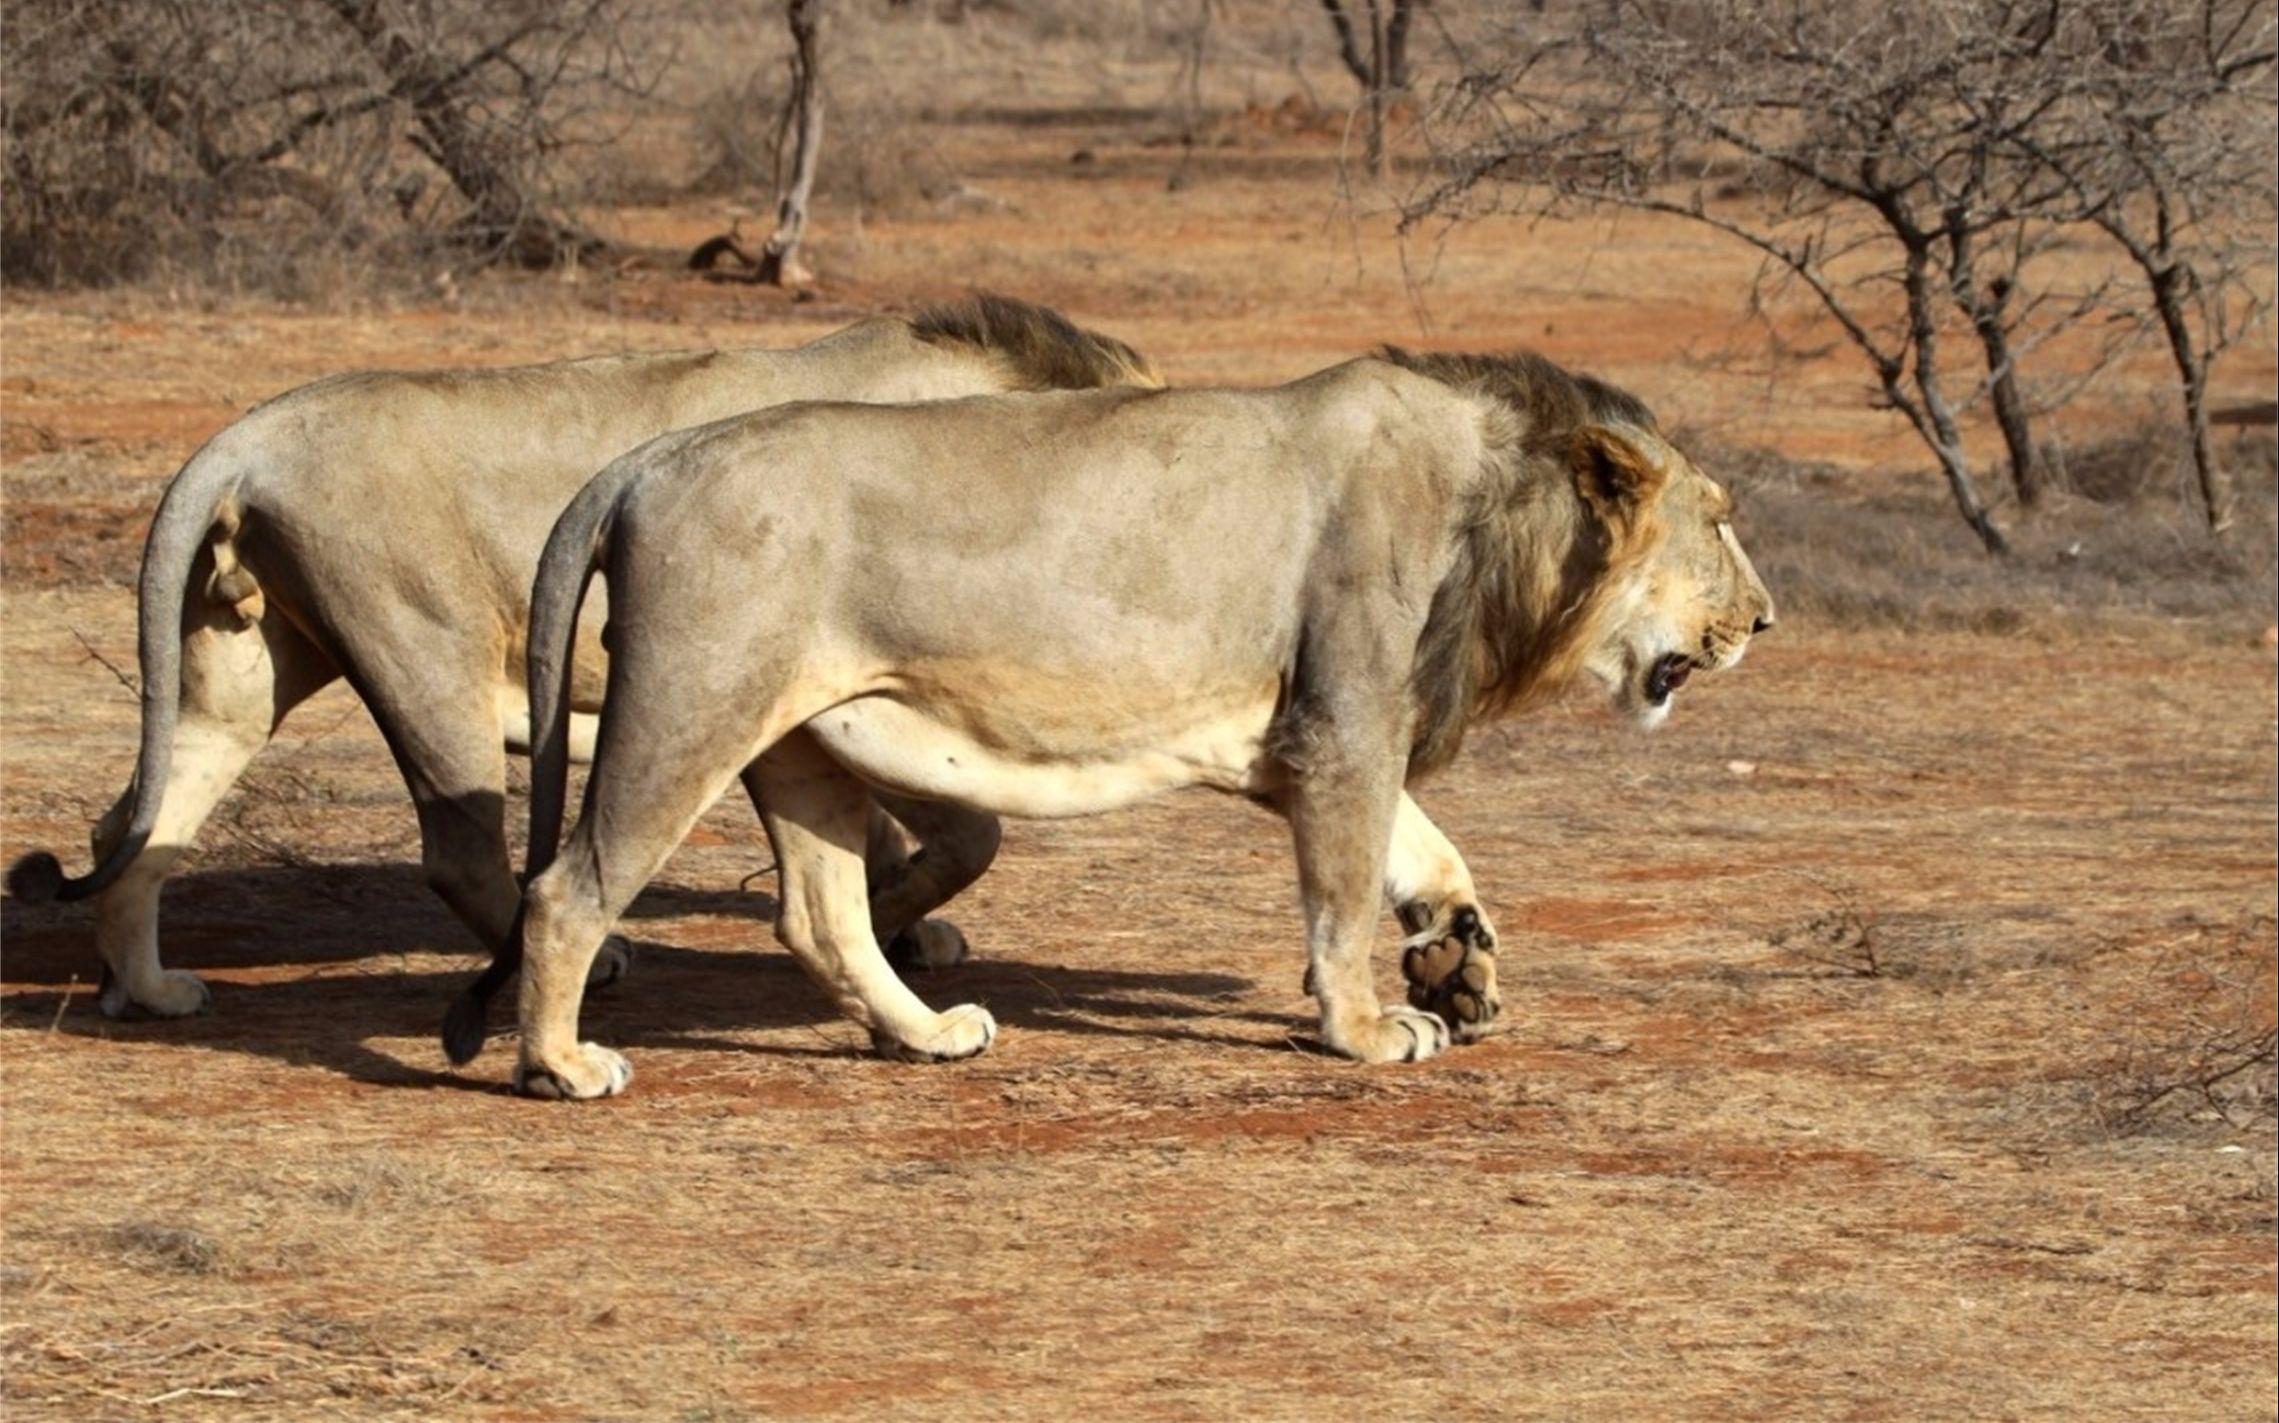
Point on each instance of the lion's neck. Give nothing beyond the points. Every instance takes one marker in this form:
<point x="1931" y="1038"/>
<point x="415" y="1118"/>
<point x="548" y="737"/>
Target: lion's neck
<point x="1510" y="625"/>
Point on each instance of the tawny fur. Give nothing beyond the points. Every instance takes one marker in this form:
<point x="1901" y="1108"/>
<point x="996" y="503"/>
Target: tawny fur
<point x="385" y="527"/>
<point x="1295" y="594"/>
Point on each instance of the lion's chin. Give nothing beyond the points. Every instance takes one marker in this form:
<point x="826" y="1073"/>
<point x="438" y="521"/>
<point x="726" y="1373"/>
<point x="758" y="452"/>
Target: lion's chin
<point x="1646" y="693"/>
<point x="1665" y="675"/>
<point x="1638" y="695"/>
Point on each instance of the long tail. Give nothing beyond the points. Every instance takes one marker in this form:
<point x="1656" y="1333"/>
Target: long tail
<point x="193" y="504"/>
<point x="574" y="553"/>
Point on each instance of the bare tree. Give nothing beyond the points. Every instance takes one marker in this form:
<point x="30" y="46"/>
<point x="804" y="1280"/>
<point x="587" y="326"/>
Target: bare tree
<point x="1935" y="152"/>
<point x="1999" y="212"/>
<point x="801" y="127"/>
<point x="2165" y="139"/>
<point x="1858" y="148"/>
<point x="1382" y="68"/>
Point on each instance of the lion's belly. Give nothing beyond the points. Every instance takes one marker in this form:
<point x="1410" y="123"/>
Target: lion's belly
<point x="903" y="749"/>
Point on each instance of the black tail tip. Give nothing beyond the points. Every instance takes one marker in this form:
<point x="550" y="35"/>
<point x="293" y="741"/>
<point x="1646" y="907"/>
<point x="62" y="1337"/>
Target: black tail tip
<point x="37" y="878"/>
<point x="464" y="1025"/>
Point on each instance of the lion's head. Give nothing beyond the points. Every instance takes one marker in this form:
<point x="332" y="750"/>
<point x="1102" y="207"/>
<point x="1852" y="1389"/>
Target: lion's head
<point x="1594" y="545"/>
<point x="1681" y="594"/>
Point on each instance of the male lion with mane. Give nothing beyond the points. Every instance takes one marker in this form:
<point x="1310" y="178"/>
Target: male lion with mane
<point x="1056" y="604"/>
<point x="385" y="527"/>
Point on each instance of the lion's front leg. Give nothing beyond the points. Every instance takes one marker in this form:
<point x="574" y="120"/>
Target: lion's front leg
<point x="1449" y="957"/>
<point x="1341" y="818"/>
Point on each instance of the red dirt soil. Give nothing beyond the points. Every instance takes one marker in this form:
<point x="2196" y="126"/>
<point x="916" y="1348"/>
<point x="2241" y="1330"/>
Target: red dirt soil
<point x="1827" y="1008"/>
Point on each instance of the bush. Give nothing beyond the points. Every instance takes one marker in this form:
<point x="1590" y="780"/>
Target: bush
<point x="234" y="136"/>
<point x="1875" y="551"/>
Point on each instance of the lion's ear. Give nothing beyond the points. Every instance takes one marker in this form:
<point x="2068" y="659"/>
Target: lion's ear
<point x="1614" y="476"/>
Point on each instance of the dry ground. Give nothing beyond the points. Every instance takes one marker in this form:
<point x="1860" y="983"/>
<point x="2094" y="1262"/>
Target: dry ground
<point x="1838" y="1015"/>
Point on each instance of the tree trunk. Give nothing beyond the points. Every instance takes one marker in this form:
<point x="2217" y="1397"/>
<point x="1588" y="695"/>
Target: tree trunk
<point x="1383" y="71"/>
<point x="1955" y="463"/>
<point x="1348" y="47"/>
<point x="2009" y="400"/>
<point x="779" y="259"/>
<point x="1378" y="162"/>
<point x="1986" y="310"/>
<point x="2214" y="481"/>
<point x="1938" y="426"/>
<point x="1396" y="70"/>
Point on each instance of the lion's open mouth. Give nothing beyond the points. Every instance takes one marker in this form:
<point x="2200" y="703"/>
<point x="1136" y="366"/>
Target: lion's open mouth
<point x="1667" y="675"/>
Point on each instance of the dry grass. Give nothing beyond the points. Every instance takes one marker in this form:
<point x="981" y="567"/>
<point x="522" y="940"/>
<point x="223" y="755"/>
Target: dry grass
<point x="2200" y="1042"/>
<point x="2117" y="538"/>
<point x="1820" y="1002"/>
<point x="1713" y="1158"/>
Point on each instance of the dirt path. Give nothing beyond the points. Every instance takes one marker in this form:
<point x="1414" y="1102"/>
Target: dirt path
<point x="1715" y="1159"/>
<point x="1827" y="1012"/>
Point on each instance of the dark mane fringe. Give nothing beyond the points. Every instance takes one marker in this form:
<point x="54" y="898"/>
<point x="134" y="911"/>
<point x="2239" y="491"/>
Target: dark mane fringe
<point x="1512" y="620"/>
<point x="1045" y="349"/>
<point x="1551" y="401"/>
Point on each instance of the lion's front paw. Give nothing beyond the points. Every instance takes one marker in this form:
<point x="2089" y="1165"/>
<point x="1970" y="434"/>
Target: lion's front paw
<point x="1451" y="971"/>
<point x="590" y="1071"/>
<point x="1396" y="1034"/>
<point x="964" y="1031"/>
<point x="611" y="962"/>
<point x="171" y="994"/>
<point x="928" y="944"/>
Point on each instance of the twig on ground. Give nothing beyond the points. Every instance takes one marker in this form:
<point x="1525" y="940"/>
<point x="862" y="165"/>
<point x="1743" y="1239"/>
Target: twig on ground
<point x="112" y="667"/>
<point x="63" y="1004"/>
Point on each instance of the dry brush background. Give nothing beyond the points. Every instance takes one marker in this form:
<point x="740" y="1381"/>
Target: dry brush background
<point x="1888" y="1038"/>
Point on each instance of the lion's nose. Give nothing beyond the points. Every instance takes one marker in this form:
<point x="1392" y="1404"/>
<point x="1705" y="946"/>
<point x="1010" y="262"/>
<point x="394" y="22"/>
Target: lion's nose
<point x="1764" y="623"/>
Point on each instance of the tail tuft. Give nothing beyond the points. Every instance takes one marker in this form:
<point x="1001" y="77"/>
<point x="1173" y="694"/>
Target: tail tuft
<point x="464" y="1022"/>
<point x="464" y="1025"/>
<point x="37" y="878"/>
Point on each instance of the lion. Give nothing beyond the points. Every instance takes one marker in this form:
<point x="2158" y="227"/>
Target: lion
<point x="1056" y="604"/>
<point x="386" y="527"/>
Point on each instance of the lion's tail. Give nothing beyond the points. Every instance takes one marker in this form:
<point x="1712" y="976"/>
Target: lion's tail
<point x="574" y="553"/>
<point x="198" y="503"/>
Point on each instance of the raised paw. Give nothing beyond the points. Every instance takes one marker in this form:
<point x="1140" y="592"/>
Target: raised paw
<point x="928" y="944"/>
<point x="592" y="1071"/>
<point x="964" y="1031"/>
<point x="1451" y="970"/>
<point x="611" y="962"/>
<point x="173" y="994"/>
<point x="1396" y="1034"/>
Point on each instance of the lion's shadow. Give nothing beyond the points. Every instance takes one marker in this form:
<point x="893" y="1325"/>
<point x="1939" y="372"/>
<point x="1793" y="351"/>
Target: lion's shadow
<point x="282" y="932"/>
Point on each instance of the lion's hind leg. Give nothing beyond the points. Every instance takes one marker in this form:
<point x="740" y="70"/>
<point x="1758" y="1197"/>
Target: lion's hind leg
<point x="659" y="764"/>
<point x="239" y="680"/>
<point x="817" y="815"/>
